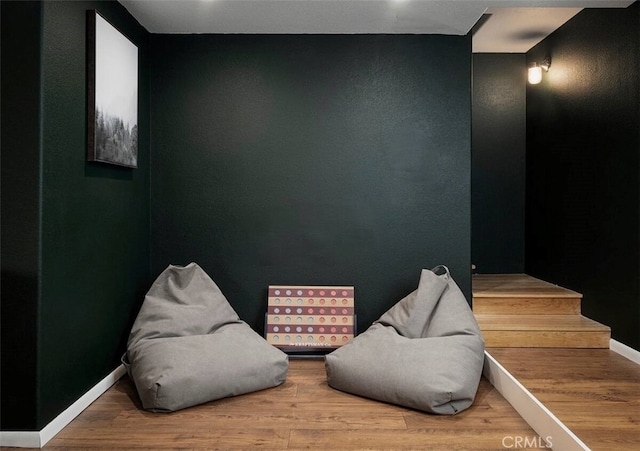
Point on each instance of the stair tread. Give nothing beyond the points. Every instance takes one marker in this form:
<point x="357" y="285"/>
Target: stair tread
<point x="533" y="323"/>
<point x="517" y="286"/>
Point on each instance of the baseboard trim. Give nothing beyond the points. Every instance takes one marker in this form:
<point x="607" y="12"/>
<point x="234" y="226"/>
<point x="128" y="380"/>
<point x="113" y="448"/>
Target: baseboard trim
<point x="548" y="427"/>
<point x="20" y="439"/>
<point x="37" y="439"/>
<point x="625" y="351"/>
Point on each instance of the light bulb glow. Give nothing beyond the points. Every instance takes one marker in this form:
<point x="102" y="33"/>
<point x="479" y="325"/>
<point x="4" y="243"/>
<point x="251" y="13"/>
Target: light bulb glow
<point x="535" y="75"/>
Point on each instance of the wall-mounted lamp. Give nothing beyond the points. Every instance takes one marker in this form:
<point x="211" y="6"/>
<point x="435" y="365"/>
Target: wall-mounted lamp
<point x="535" y="71"/>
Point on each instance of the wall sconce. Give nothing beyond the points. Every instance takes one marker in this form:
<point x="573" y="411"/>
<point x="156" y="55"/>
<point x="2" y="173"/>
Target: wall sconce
<point x="535" y="71"/>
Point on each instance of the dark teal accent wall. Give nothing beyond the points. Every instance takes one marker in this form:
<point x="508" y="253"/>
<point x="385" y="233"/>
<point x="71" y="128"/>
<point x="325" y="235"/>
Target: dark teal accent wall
<point x="92" y="231"/>
<point x="583" y="160"/>
<point x="498" y="162"/>
<point x="311" y="160"/>
<point x="20" y="189"/>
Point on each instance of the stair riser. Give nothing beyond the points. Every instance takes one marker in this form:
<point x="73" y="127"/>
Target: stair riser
<point x="546" y="339"/>
<point x="527" y="306"/>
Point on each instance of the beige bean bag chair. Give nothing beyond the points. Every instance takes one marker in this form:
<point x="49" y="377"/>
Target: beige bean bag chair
<point x="426" y="352"/>
<point x="188" y="346"/>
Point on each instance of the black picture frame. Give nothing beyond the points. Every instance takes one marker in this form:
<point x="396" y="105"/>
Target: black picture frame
<point x="112" y="94"/>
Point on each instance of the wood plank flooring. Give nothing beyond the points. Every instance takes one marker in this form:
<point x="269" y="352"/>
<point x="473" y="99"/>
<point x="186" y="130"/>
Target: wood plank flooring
<point x="594" y="392"/>
<point x="303" y="413"/>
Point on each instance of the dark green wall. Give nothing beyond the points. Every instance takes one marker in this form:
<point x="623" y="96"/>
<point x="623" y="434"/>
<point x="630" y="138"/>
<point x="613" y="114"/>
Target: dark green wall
<point x="311" y="160"/>
<point x="21" y="50"/>
<point x="498" y="162"/>
<point x="93" y="230"/>
<point x="583" y="183"/>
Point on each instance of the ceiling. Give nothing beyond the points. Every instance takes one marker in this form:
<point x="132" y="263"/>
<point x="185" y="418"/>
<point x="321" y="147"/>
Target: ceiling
<point x="502" y="26"/>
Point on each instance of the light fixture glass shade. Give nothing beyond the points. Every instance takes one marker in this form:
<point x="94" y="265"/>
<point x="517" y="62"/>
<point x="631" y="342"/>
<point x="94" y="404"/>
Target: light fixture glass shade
<point x="535" y="75"/>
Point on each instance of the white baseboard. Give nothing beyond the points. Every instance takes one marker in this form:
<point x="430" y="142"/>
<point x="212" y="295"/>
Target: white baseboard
<point x="548" y="427"/>
<point x="37" y="439"/>
<point x="20" y="439"/>
<point x="625" y="351"/>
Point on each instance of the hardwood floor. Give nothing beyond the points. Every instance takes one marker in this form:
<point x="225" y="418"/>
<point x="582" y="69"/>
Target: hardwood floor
<point x="303" y="413"/>
<point x="594" y="392"/>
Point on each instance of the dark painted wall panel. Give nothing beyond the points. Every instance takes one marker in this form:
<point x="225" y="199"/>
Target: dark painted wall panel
<point x="583" y="204"/>
<point x="21" y="50"/>
<point x="95" y="218"/>
<point x="311" y="160"/>
<point x="498" y="162"/>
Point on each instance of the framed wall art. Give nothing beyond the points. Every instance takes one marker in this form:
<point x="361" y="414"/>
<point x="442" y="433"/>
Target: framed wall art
<point x="112" y="94"/>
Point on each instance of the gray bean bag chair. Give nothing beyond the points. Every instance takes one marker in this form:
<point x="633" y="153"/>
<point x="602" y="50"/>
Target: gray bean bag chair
<point x="426" y="352"/>
<point x="188" y="346"/>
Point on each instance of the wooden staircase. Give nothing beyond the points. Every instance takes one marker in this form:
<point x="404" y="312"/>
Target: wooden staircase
<point x="520" y="311"/>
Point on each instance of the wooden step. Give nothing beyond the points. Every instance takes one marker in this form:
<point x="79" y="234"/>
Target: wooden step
<point x="522" y="294"/>
<point x="543" y="331"/>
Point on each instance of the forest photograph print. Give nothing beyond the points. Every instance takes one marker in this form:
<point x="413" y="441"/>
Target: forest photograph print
<point x="112" y="92"/>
